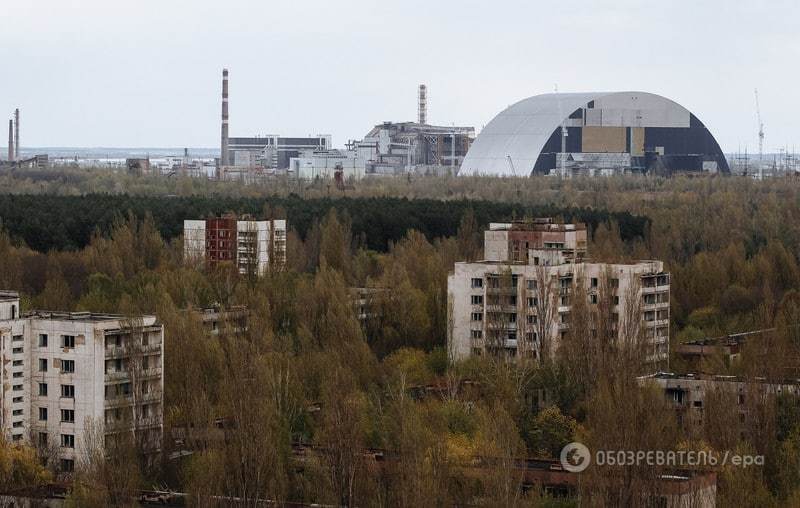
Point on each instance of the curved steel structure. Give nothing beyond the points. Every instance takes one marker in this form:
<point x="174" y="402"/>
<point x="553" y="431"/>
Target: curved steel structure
<point x="632" y="131"/>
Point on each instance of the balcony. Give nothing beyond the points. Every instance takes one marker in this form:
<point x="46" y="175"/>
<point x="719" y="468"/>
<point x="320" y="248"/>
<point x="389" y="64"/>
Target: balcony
<point x="117" y="375"/>
<point x="128" y="400"/>
<point x="125" y="351"/>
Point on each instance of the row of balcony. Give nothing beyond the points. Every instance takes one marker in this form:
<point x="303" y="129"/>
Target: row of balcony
<point x="125" y="351"/>
<point x="142" y="374"/>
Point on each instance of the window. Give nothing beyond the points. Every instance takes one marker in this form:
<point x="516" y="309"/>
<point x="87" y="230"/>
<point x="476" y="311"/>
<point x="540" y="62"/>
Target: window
<point x="68" y="341"/>
<point x="616" y="300"/>
<point x="649" y="315"/>
<point x="532" y="301"/>
<point x="531" y="319"/>
<point x="68" y="415"/>
<point x="17" y="338"/>
<point x="67" y="465"/>
<point x="512" y="318"/>
<point x="531" y="284"/>
<point x="614" y="283"/>
<point x="17" y="425"/>
<point x="42" y="414"/>
<point x="16" y="437"/>
<point x="477" y="334"/>
<point x="477" y="299"/>
<point x="17" y="388"/>
<point x="17" y="374"/>
<point x="68" y="440"/>
<point x="593" y="282"/>
<point x="42" y="340"/>
<point x="17" y="363"/>
<point x="16" y="412"/>
<point x="17" y="400"/>
<point x="68" y="391"/>
<point x="67" y="366"/>
<point x="477" y="316"/>
<point x="593" y="299"/>
<point x="512" y="300"/>
<point x="42" y="438"/>
<point x="477" y="283"/>
<point x="42" y="389"/>
<point x="17" y="350"/>
<point x="42" y="364"/>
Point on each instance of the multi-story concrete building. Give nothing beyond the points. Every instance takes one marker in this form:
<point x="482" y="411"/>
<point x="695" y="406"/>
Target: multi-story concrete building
<point x="689" y="393"/>
<point x="519" y="300"/>
<point x="253" y="246"/>
<point x="68" y="377"/>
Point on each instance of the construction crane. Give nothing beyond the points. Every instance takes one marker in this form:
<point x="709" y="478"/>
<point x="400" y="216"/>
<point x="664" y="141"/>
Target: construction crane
<point x="760" y="129"/>
<point x="511" y="165"/>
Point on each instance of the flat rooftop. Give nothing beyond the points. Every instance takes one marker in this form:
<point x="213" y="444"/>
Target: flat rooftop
<point x="539" y="224"/>
<point x="89" y="317"/>
<point x="714" y="377"/>
<point x="7" y="296"/>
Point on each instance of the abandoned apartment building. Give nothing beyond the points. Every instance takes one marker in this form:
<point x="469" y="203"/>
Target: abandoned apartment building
<point x="253" y="246"/>
<point x="690" y="393"/>
<point x="522" y="294"/>
<point x="67" y="374"/>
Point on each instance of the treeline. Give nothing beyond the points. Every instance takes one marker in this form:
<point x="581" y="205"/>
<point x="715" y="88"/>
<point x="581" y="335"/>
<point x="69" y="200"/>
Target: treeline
<point x="49" y="222"/>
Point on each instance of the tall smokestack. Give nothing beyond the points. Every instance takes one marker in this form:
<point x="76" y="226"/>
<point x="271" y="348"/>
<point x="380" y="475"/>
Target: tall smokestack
<point x="223" y="156"/>
<point x="422" y="108"/>
<point x="10" y="140"/>
<point x="16" y="134"/>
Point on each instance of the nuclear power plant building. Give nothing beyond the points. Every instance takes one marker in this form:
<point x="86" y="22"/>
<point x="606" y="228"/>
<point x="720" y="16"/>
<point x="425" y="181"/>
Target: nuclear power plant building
<point x="571" y="134"/>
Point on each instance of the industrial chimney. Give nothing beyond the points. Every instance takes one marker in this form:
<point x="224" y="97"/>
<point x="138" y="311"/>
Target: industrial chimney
<point x="16" y="134"/>
<point x="422" y="109"/>
<point x="10" y="140"/>
<point x="223" y="155"/>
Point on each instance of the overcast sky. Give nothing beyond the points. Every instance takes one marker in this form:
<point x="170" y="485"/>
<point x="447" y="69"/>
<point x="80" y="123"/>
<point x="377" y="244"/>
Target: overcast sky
<point x="146" y="73"/>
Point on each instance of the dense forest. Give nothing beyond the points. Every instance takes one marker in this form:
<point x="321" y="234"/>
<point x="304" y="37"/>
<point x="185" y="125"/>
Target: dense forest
<point x="315" y="375"/>
<point x="47" y="222"/>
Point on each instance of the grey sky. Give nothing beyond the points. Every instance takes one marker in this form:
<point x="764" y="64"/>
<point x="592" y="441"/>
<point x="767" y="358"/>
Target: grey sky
<point x="147" y="72"/>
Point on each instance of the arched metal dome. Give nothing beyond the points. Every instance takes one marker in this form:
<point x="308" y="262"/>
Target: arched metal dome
<point x="635" y="131"/>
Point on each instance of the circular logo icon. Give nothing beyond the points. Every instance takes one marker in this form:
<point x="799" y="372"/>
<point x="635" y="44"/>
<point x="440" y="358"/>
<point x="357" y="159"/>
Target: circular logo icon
<point x="575" y="457"/>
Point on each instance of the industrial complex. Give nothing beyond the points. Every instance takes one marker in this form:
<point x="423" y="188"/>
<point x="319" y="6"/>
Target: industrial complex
<point x="557" y="134"/>
<point x="389" y="148"/>
<point x="568" y="134"/>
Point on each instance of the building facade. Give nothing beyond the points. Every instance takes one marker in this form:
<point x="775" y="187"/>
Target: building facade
<point x="253" y="246"/>
<point x="689" y="393"/>
<point x="70" y="377"/>
<point x="518" y="302"/>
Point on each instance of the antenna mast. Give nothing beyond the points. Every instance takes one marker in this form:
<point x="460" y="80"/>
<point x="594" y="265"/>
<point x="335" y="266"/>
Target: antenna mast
<point x="760" y="129"/>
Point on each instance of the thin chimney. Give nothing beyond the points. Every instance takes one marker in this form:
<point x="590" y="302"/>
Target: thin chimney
<point x="422" y="107"/>
<point x="16" y="134"/>
<point x="10" y="140"/>
<point x="223" y="156"/>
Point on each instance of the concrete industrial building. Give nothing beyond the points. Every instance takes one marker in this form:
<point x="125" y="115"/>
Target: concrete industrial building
<point x="517" y="302"/>
<point x="394" y="148"/>
<point x="65" y="372"/>
<point x="263" y="152"/>
<point x="252" y="246"/>
<point x="599" y="133"/>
